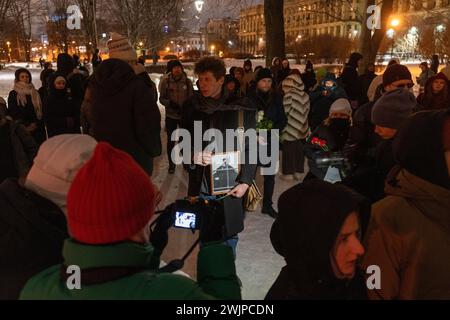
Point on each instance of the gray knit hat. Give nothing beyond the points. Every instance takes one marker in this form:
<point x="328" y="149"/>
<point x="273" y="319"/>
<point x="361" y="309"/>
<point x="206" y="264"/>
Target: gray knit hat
<point x="341" y="106"/>
<point x="392" y="109"/>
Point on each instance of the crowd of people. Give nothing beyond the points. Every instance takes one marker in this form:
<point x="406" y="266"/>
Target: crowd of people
<point x="77" y="161"/>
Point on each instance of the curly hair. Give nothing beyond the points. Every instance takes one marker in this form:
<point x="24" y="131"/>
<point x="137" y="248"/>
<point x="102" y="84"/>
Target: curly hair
<point x="211" y="64"/>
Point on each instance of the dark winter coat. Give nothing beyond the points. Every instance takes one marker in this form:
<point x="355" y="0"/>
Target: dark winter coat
<point x="321" y="103"/>
<point x="60" y="112"/>
<point x="33" y="230"/>
<point x="334" y="141"/>
<point x="18" y="150"/>
<point x="309" y="79"/>
<point x="435" y="101"/>
<point x="122" y="110"/>
<point x="362" y="140"/>
<point x="308" y="274"/>
<point x="173" y="94"/>
<point x="409" y="234"/>
<point x="349" y="77"/>
<point x="365" y="81"/>
<point x="271" y="104"/>
<point x="26" y="115"/>
<point x="219" y="114"/>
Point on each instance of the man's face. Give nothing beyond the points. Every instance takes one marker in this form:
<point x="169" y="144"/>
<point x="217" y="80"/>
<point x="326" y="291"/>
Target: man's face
<point x="24" y="77"/>
<point x="438" y="85"/>
<point x="209" y="85"/>
<point x="285" y="64"/>
<point x="265" y="85"/>
<point x="348" y="248"/>
<point x="177" y="71"/>
<point x="399" y="84"/>
<point x="247" y="67"/>
<point x="385" y="133"/>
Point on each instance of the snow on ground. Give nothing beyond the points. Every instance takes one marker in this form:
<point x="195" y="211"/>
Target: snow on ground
<point x="7" y="74"/>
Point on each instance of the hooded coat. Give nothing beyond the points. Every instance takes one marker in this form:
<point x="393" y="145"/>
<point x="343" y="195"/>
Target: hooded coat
<point x="435" y="101"/>
<point x="349" y="77"/>
<point x="123" y="111"/>
<point x="308" y="274"/>
<point x="60" y="112"/>
<point x="409" y="233"/>
<point x="321" y="102"/>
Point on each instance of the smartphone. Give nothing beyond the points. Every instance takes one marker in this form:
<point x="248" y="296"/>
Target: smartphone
<point x="185" y="220"/>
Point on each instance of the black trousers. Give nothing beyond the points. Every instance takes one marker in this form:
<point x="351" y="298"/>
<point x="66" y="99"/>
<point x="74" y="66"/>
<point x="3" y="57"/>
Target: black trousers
<point x="269" y="186"/>
<point x="171" y="126"/>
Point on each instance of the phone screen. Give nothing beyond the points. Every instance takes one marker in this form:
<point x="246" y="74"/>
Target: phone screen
<point x="185" y="220"/>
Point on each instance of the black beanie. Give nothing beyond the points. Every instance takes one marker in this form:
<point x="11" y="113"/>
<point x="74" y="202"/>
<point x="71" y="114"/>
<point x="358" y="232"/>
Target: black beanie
<point x="419" y="147"/>
<point x="396" y="72"/>
<point x="172" y="64"/>
<point x="392" y="109"/>
<point x="263" y="73"/>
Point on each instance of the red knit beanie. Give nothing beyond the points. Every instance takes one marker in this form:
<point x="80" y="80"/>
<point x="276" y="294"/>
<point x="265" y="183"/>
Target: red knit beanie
<point x="111" y="198"/>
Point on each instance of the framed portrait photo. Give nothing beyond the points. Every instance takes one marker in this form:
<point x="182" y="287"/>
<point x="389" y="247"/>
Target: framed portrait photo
<point x="225" y="168"/>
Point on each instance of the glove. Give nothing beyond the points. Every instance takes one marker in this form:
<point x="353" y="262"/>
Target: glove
<point x="212" y="227"/>
<point x="159" y="237"/>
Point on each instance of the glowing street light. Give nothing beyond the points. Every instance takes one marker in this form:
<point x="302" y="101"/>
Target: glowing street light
<point x="199" y="5"/>
<point x="395" y="23"/>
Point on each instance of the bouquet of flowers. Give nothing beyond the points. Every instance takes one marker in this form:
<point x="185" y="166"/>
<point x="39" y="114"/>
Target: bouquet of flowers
<point x="263" y="122"/>
<point x="321" y="143"/>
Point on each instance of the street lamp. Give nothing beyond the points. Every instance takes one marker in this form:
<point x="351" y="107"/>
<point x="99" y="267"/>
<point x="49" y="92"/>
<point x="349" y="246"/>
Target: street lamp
<point x="199" y="6"/>
<point x="9" y="50"/>
<point x="391" y="33"/>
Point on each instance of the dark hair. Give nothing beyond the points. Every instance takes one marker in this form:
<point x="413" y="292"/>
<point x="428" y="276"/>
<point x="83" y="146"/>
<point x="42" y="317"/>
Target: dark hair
<point x="354" y="58"/>
<point x="211" y="64"/>
<point x="20" y="71"/>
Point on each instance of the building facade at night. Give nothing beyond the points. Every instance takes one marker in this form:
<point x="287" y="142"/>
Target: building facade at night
<point x="305" y="18"/>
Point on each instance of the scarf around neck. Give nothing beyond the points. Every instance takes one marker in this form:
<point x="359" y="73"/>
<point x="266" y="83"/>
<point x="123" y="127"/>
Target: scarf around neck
<point x="27" y="89"/>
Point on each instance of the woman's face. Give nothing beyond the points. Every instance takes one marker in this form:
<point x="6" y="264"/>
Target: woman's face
<point x="231" y="86"/>
<point x="24" y="77"/>
<point x="438" y="85"/>
<point x="60" y="84"/>
<point x="339" y="115"/>
<point x="348" y="248"/>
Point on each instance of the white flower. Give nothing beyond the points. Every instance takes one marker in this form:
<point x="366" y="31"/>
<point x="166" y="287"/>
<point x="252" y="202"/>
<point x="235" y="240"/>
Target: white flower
<point x="260" y="116"/>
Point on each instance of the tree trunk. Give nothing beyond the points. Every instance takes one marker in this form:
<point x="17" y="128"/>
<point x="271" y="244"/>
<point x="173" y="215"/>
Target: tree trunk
<point x="370" y="44"/>
<point x="275" y="37"/>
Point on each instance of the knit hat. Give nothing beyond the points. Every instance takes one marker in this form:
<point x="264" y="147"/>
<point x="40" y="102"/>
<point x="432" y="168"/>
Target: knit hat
<point x="341" y="106"/>
<point x="56" y="165"/>
<point x="263" y="73"/>
<point x="120" y="48"/>
<point x="419" y="146"/>
<point x="248" y="62"/>
<point x="392" y="109"/>
<point x="172" y="64"/>
<point x="111" y="198"/>
<point x="396" y="72"/>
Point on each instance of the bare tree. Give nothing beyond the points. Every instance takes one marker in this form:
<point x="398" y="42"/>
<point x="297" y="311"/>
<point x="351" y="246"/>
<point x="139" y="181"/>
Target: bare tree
<point x="21" y="13"/>
<point x="4" y="5"/>
<point x="275" y="35"/>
